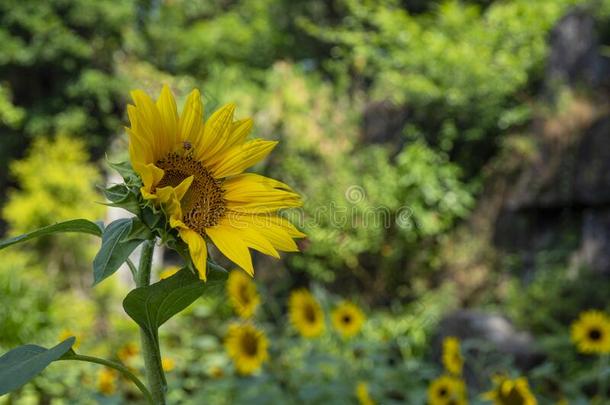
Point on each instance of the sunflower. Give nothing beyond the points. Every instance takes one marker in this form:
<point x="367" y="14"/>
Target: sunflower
<point x="510" y="392"/>
<point x="168" y="364"/>
<point x="193" y="170"/>
<point x="447" y="390"/>
<point x="242" y="294"/>
<point x="247" y="347"/>
<point x="67" y="333"/>
<point x="452" y="356"/>
<point x="106" y="381"/>
<point x="306" y="313"/>
<point x="591" y="332"/>
<point x="363" y="395"/>
<point x="347" y="319"/>
<point x="128" y="351"/>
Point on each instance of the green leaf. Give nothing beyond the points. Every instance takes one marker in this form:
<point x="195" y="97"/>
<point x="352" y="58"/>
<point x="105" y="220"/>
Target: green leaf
<point x="138" y="231"/>
<point x="74" y="225"/>
<point x="20" y="365"/>
<point x="115" y="250"/>
<point x="153" y="305"/>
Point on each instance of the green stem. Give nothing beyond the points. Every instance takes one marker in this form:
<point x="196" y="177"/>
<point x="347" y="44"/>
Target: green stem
<point x="150" y="340"/>
<point x="132" y="268"/>
<point x="603" y="361"/>
<point x="116" y="366"/>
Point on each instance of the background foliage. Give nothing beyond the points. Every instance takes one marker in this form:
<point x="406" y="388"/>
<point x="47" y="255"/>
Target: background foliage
<point x="401" y="122"/>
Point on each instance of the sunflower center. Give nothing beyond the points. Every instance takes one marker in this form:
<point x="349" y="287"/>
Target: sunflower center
<point x="442" y="392"/>
<point x="203" y="204"/>
<point x="243" y="294"/>
<point x="595" y="334"/>
<point x="310" y="314"/>
<point x="347" y="319"/>
<point x="514" y="397"/>
<point x="249" y="344"/>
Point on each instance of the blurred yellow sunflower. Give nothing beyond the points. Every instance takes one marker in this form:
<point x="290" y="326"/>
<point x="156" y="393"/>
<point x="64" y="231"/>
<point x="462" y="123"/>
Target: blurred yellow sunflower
<point x="591" y="332"/>
<point x="447" y="390"/>
<point x="306" y="313"/>
<point x="168" y="364"/>
<point x="363" y="395"/>
<point x="347" y="319"/>
<point x="106" y="381"/>
<point x="194" y="170"/>
<point x="242" y="294"/>
<point x="510" y="392"/>
<point x="247" y="347"/>
<point x="452" y="356"/>
<point x="127" y="351"/>
<point x="67" y="333"/>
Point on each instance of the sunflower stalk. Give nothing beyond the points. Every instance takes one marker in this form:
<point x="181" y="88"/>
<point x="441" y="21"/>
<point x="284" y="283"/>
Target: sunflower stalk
<point x="603" y="388"/>
<point x="150" y="343"/>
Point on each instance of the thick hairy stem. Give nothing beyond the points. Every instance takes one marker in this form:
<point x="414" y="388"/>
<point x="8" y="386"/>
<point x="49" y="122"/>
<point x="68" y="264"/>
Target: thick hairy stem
<point x="150" y="341"/>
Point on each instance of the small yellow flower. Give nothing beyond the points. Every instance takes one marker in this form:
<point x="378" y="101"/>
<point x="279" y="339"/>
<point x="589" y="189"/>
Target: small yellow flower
<point x="306" y="314"/>
<point x="242" y="294"/>
<point x="447" y="390"/>
<point x="128" y="351"/>
<point x="452" y="356"/>
<point x="168" y="364"/>
<point x="195" y="171"/>
<point x="247" y="347"/>
<point x="363" y="395"/>
<point x="216" y="372"/>
<point x="106" y="381"/>
<point x="66" y="333"/>
<point x="510" y="392"/>
<point x="168" y="272"/>
<point x="591" y="332"/>
<point x="347" y="319"/>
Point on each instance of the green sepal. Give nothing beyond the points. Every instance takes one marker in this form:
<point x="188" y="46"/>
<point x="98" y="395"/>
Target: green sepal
<point x="23" y="363"/>
<point x="121" y="196"/>
<point x="126" y="171"/>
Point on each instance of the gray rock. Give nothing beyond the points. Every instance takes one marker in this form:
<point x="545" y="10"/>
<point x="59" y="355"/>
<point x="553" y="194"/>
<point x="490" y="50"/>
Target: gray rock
<point x="493" y="333"/>
<point x="574" y="55"/>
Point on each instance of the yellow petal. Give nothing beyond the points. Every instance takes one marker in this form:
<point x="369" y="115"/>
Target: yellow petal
<point x="252" y="193"/>
<point x="140" y="150"/>
<point x="216" y="133"/>
<point x="285" y="225"/>
<point x="191" y="121"/>
<point x="268" y="228"/>
<point x="151" y="175"/>
<point x="197" y="250"/>
<point x="149" y="121"/>
<point x="251" y="234"/>
<point x="239" y="132"/>
<point x="240" y="157"/>
<point x="227" y="240"/>
<point x="183" y="187"/>
<point x="166" y="104"/>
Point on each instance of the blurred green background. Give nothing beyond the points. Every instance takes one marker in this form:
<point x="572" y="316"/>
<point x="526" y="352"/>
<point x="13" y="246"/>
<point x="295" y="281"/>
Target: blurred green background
<point x="454" y="158"/>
